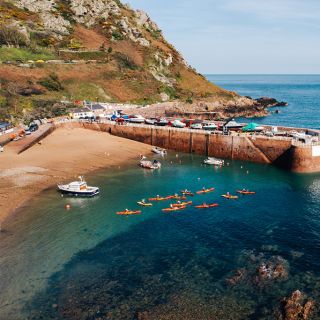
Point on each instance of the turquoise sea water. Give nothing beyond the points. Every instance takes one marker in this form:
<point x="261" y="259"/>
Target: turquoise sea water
<point x="302" y="92"/>
<point x="89" y="263"/>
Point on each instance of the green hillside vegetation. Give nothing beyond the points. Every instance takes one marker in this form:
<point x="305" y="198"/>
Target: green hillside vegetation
<point x="116" y="55"/>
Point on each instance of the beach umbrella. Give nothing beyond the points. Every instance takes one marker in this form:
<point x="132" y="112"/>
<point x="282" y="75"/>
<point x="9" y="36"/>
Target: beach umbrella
<point x="250" y="127"/>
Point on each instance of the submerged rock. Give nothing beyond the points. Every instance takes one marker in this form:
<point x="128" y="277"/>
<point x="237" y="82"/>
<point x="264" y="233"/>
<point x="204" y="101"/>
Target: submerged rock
<point x="295" y="307"/>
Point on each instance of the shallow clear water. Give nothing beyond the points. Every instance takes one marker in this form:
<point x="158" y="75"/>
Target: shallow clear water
<point x="89" y="263"/>
<point x="302" y="92"/>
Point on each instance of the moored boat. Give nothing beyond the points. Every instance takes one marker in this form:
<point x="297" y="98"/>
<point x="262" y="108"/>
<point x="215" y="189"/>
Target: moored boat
<point x="160" y="151"/>
<point x="146" y="164"/>
<point x="78" y="189"/>
<point x="205" y="190"/>
<point x="213" y="161"/>
<point x="206" y="206"/>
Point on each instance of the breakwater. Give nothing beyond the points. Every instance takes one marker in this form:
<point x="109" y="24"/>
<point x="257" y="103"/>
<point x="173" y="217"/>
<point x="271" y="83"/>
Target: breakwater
<point x="284" y="152"/>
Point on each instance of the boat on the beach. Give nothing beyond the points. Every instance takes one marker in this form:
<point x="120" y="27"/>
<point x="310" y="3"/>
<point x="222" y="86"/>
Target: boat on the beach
<point x="78" y="189"/>
<point x="173" y="209"/>
<point x="229" y="196"/>
<point x="137" y="118"/>
<point x="178" y="124"/>
<point x="246" y="192"/>
<point x="196" y="126"/>
<point x="161" y="122"/>
<point x="1" y="149"/>
<point x="150" y="121"/>
<point x="209" y="126"/>
<point x="146" y="164"/>
<point x="205" y="191"/>
<point x="232" y="125"/>
<point x="206" y="206"/>
<point x="128" y="212"/>
<point x="160" y="151"/>
<point x="213" y="161"/>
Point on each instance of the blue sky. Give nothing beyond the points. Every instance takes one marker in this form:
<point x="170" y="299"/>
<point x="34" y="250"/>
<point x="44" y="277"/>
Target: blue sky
<point x="241" y="36"/>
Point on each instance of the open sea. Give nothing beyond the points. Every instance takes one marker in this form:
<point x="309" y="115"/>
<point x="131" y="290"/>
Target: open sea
<point x="235" y="261"/>
<point x="302" y="92"/>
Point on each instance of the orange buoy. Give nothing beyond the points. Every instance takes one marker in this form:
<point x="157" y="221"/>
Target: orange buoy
<point x="68" y="206"/>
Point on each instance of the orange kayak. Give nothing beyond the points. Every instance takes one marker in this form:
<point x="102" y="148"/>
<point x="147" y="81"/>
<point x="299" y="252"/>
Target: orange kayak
<point x="245" y="192"/>
<point x="178" y="197"/>
<point x="205" y="191"/>
<point x="128" y="213"/>
<point x="206" y="206"/>
<point x="173" y="209"/>
<point x="229" y="196"/>
<point x="182" y="204"/>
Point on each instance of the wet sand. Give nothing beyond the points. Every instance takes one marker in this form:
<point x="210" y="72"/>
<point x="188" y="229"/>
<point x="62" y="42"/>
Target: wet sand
<point x="63" y="155"/>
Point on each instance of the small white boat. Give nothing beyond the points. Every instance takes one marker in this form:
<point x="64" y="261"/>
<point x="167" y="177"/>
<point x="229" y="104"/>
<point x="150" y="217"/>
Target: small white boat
<point x="150" y="121"/>
<point x="78" y="189"/>
<point x="146" y="164"/>
<point x="158" y="150"/>
<point x="178" y="124"/>
<point x="196" y="126"/>
<point x="232" y="124"/>
<point x="136" y="119"/>
<point x="161" y="122"/>
<point x="213" y="161"/>
<point x="209" y="126"/>
<point x="1" y="149"/>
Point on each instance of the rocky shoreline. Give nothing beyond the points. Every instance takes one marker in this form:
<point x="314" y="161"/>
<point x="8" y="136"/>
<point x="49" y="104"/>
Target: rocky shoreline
<point x="244" y="107"/>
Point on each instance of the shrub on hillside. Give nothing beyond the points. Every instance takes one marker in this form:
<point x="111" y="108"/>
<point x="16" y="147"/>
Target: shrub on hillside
<point x="51" y="83"/>
<point x="12" y="37"/>
<point x="125" y="62"/>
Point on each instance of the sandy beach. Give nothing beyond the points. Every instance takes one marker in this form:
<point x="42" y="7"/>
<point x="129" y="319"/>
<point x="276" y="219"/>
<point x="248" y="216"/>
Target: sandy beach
<point x="63" y="155"/>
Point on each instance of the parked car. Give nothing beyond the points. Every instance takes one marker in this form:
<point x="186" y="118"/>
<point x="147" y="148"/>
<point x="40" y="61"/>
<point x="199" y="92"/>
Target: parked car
<point x="27" y="132"/>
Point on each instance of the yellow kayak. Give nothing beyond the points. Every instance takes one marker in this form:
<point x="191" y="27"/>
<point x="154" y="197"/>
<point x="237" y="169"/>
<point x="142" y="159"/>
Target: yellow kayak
<point x="144" y="204"/>
<point x="229" y="196"/>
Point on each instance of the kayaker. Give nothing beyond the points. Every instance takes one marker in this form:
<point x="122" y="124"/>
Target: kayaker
<point x="203" y="189"/>
<point x="228" y="194"/>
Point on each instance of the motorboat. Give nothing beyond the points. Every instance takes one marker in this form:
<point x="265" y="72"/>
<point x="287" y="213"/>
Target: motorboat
<point x="146" y="164"/>
<point x="136" y="119"/>
<point x="150" y="121"/>
<point x="209" y="126"/>
<point x="232" y="125"/>
<point x="178" y="124"/>
<point x="160" y="151"/>
<point x="78" y="189"/>
<point x="161" y="122"/>
<point x="196" y="126"/>
<point x="213" y="161"/>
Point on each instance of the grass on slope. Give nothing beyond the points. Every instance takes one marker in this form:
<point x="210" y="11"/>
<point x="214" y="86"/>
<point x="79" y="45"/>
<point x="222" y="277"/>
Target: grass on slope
<point x="13" y="54"/>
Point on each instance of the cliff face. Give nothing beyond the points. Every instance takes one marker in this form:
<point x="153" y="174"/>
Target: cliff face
<point x="117" y="54"/>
